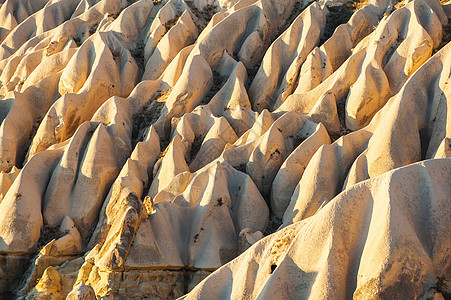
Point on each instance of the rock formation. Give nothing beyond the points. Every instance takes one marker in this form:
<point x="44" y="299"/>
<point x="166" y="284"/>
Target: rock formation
<point x="370" y="241"/>
<point x="225" y="149"/>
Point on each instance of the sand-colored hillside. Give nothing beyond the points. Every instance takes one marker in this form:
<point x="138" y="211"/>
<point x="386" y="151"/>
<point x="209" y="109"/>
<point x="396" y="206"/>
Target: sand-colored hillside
<point x="225" y="149"/>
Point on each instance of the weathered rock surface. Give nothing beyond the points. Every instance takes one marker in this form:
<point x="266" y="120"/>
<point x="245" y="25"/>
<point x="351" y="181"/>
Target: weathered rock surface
<point x="370" y="241"/>
<point x="279" y="149"/>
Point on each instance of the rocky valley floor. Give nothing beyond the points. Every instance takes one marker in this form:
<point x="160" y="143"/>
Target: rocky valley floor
<point x="225" y="149"/>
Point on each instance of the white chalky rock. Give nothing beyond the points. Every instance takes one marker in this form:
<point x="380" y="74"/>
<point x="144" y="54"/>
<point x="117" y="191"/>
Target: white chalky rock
<point x="384" y="144"/>
<point x="146" y="144"/>
<point x="369" y="241"/>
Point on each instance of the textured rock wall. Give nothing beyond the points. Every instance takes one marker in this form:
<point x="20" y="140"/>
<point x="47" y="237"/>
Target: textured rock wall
<point x="290" y="148"/>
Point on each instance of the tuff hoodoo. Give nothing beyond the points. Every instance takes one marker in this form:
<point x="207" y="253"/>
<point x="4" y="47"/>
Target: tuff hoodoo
<point x="225" y="149"/>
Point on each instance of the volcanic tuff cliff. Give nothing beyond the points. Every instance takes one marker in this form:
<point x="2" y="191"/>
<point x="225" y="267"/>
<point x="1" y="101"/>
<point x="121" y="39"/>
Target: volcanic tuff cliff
<point x="275" y="148"/>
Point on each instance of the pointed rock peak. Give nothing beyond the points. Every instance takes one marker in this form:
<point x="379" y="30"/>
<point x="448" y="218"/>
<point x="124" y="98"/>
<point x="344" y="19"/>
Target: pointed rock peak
<point x="82" y="292"/>
<point x="50" y="281"/>
<point x="261" y="125"/>
<point x="173" y="163"/>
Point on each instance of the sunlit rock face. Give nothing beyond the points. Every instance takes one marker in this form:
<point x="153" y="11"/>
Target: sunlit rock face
<point x="225" y="149"/>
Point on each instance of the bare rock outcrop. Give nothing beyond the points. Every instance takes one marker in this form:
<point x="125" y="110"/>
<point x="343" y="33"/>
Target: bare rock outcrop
<point x="384" y="237"/>
<point x="276" y="149"/>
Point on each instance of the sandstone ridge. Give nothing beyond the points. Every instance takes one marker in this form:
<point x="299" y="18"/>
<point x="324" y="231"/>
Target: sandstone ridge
<point x="225" y="149"/>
